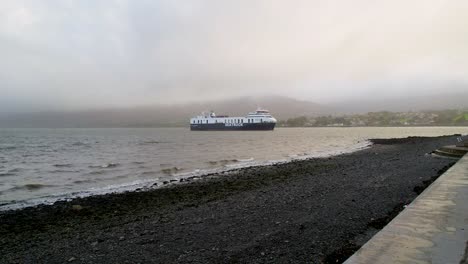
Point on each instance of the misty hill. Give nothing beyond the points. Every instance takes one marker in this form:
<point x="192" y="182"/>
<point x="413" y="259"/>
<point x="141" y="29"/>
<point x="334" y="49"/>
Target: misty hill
<point x="419" y="103"/>
<point x="455" y="117"/>
<point x="177" y="115"/>
<point x="167" y="115"/>
<point x="281" y="107"/>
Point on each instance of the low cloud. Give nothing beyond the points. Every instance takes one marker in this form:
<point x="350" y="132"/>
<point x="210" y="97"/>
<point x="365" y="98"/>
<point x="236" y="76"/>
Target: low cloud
<point x="88" y="54"/>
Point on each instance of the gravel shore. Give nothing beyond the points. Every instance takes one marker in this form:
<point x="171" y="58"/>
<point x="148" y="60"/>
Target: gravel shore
<point x="312" y="211"/>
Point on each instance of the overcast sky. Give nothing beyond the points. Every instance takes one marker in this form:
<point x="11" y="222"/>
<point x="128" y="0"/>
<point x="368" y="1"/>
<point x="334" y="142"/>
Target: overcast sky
<point x="92" y="54"/>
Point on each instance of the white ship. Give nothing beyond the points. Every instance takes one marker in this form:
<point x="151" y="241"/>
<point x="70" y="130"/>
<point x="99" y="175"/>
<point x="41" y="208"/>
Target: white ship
<point x="258" y="120"/>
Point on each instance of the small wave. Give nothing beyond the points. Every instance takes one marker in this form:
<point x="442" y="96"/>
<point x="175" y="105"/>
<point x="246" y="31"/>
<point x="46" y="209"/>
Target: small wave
<point x="97" y="172"/>
<point x="110" y="165"/>
<point x="228" y="161"/>
<point x="79" y="144"/>
<point x="5" y="174"/>
<point x="26" y="155"/>
<point x="8" y="147"/>
<point x="138" y="162"/>
<point x="107" y="165"/>
<point x="245" y="160"/>
<point x="123" y="176"/>
<point x="149" y="142"/>
<point x="63" y="171"/>
<point x="66" y="165"/>
<point x="14" y="171"/>
<point x="170" y="171"/>
<point x="222" y="162"/>
<point x="83" y="181"/>
<point x="29" y="187"/>
<point x="35" y="186"/>
<point x="148" y="173"/>
<point x="40" y="146"/>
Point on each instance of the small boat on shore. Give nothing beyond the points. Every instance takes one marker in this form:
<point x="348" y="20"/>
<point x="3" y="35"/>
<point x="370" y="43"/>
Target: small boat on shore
<point x="261" y="119"/>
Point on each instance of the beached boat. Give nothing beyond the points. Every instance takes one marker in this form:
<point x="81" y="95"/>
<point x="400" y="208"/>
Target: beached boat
<point x="261" y="119"/>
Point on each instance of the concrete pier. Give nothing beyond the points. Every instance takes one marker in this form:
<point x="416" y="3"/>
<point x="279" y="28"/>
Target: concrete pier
<point x="432" y="229"/>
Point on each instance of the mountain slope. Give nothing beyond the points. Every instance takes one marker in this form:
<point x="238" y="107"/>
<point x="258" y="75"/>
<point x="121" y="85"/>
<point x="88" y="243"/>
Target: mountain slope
<point x="423" y="102"/>
<point x="169" y="115"/>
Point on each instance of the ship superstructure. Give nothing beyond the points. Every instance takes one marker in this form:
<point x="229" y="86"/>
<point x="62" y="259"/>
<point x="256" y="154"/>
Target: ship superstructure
<point x="261" y="119"/>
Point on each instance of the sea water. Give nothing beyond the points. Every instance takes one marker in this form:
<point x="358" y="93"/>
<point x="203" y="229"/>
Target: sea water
<point x="46" y="165"/>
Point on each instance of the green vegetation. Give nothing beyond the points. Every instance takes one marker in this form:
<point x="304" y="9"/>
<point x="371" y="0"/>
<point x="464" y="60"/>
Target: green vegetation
<point x="384" y="118"/>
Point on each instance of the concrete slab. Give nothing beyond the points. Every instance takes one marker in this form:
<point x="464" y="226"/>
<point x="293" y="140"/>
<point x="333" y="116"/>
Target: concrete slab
<point x="451" y="151"/>
<point x="432" y="229"/>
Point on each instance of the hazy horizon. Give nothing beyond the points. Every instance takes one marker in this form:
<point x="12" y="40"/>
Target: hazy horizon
<point x="80" y="55"/>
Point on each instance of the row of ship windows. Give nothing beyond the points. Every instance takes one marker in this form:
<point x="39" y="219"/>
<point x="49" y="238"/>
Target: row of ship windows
<point x="227" y="121"/>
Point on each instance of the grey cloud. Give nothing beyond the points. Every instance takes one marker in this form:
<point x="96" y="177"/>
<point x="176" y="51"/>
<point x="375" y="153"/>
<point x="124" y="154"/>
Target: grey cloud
<point x="92" y="54"/>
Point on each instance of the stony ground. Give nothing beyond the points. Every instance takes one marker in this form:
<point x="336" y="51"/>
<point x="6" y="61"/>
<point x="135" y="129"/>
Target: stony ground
<point x="312" y="211"/>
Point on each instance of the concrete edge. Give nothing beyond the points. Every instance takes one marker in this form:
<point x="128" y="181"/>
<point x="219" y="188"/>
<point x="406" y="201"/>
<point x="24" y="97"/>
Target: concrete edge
<point x="432" y="229"/>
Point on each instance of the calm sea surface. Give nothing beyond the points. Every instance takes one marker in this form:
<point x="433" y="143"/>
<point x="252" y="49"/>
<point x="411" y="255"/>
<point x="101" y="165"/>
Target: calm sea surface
<point x="43" y="165"/>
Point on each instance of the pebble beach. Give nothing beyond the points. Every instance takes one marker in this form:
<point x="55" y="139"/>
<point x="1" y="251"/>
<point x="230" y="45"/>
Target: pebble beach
<point x="318" y="210"/>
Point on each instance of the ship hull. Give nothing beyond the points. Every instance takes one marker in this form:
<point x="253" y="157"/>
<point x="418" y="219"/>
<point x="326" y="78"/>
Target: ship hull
<point x="222" y="126"/>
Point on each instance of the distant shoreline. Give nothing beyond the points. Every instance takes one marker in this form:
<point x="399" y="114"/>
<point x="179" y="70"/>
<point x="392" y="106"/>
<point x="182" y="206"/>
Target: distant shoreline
<point x="376" y="126"/>
<point x="320" y="209"/>
<point x="188" y="127"/>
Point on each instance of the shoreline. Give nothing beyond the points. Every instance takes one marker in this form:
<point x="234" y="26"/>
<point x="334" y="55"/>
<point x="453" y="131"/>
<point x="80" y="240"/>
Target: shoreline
<point x="314" y="210"/>
<point x="182" y="178"/>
